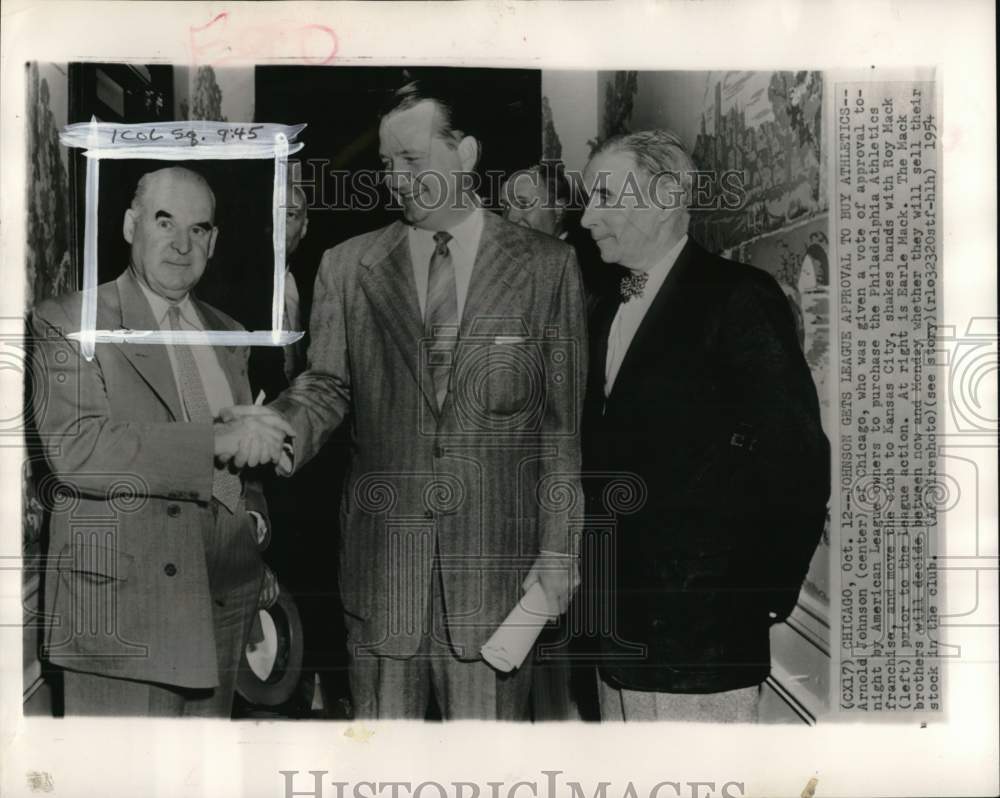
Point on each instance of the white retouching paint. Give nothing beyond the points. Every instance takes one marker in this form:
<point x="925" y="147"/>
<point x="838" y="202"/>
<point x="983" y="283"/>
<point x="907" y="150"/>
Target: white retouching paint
<point x="182" y="141"/>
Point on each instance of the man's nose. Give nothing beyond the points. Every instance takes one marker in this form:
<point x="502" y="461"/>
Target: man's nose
<point x="589" y="218"/>
<point x="182" y="242"/>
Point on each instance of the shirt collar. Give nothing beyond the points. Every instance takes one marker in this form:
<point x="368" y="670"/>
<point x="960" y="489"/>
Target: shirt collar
<point x="465" y="234"/>
<point x="160" y="307"/>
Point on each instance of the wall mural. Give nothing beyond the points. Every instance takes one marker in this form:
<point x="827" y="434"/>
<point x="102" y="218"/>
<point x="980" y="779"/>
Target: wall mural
<point x="619" y="102"/>
<point x="49" y="270"/>
<point x="48" y="265"/>
<point x="767" y="125"/>
<point x="206" y="100"/>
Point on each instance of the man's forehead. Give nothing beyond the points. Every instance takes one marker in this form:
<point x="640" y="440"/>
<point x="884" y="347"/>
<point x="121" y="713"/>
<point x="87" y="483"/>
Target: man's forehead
<point x="179" y="195"/>
<point x="410" y="129"/>
<point x="610" y="168"/>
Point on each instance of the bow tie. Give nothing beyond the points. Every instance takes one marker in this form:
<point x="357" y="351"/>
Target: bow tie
<point x="632" y="286"/>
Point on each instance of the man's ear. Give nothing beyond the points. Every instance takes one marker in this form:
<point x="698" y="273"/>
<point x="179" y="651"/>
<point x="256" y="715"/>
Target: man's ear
<point x="468" y="152"/>
<point x="211" y="241"/>
<point x="128" y="225"/>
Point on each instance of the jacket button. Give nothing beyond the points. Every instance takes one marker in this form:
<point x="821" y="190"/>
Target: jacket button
<point x="173" y="510"/>
<point x="428" y="514"/>
<point x="439" y="451"/>
<point x="170" y="569"/>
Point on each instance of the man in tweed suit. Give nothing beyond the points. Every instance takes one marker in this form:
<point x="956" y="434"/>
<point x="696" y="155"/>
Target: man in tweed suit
<point x="150" y="591"/>
<point x="455" y="341"/>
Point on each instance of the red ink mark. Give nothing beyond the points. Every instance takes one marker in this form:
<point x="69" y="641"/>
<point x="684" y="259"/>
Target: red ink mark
<point x="324" y="31"/>
<point x="196" y="49"/>
<point x="217" y="42"/>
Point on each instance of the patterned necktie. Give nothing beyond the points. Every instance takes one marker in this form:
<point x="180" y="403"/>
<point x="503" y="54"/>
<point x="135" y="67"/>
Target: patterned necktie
<point x="632" y="286"/>
<point x="441" y="316"/>
<point x="226" y="487"/>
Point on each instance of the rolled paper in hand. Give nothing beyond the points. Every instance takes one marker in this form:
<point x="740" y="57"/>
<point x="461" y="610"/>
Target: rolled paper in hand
<point x="514" y="638"/>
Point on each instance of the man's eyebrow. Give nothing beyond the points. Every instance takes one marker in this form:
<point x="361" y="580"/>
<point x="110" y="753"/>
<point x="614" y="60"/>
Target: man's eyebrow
<point x="407" y="153"/>
<point x="206" y="226"/>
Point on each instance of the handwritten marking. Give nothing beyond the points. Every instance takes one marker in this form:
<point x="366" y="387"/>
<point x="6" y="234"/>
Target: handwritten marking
<point x="175" y="140"/>
<point x="103" y="140"/>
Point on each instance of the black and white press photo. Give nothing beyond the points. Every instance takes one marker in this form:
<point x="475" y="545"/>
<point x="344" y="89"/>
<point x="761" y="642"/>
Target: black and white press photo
<point x="440" y="407"/>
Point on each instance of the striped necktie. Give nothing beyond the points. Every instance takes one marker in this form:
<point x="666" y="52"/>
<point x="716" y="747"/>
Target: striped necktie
<point x="441" y="316"/>
<point x="226" y="487"/>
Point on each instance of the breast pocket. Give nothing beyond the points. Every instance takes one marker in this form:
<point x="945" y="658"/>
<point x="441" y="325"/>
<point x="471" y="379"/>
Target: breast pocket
<point x="501" y="382"/>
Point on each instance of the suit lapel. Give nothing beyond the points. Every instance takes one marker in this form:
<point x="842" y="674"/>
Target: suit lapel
<point x="603" y="317"/>
<point x="653" y="330"/>
<point x="150" y="360"/>
<point x="388" y="282"/>
<point x="495" y="276"/>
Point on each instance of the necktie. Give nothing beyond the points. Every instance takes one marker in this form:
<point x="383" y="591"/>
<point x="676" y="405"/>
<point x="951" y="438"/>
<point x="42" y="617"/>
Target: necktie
<point x="632" y="286"/>
<point x="441" y="316"/>
<point x="226" y="487"/>
<point x="293" y="321"/>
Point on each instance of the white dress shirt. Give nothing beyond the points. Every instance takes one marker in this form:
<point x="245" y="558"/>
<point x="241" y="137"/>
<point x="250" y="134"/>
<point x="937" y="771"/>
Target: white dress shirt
<point x="463" y="247"/>
<point x="217" y="389"/>
<point x="630" y="315"/>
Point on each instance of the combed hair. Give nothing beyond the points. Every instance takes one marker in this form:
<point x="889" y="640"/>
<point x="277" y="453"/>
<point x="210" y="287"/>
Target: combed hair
<point x="655" y="152"/>
<point x="454" y="118"/>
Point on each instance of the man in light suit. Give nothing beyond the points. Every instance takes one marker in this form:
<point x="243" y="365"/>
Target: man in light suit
<point x="699" y="390"/>
<point x="154" y="565"/>
<point x="455" y="341"/>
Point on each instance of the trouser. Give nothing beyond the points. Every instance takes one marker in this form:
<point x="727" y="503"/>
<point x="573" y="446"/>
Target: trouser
<point x="730" y="706"/>
<point x="385" y="687"/>
<point x="234" y="575"/>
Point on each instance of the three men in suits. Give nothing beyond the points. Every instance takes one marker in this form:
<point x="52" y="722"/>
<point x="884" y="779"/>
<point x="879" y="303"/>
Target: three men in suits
<point x="698" y="388"/>
<point x="455" y="341"/>
<point x="154" y="544"/>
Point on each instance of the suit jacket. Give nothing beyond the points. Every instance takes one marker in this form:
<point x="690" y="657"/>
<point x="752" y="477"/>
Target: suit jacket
<point x="484" y="483"/>
<point x="715" y="415"/>
<point x="126" y="591"/>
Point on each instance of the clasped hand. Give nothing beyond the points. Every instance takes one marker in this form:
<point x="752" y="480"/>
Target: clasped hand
<point x="249" y="435"/>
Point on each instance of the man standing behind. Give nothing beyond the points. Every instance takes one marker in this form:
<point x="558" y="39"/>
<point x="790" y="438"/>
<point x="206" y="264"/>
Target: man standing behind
<point x="154" y="564"/>
<point x="456" y="342"/>
<point x="698" y="388"/>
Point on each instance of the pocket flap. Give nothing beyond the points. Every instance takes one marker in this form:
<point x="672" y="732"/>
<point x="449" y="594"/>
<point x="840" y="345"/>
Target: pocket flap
<point x="94" y="558"/>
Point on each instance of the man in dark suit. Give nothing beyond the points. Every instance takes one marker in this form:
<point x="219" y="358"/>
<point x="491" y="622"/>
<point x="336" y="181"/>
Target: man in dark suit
<point x="456" y="342"/>
<point x="700" y="392"/>
<point x="154" y="564"/>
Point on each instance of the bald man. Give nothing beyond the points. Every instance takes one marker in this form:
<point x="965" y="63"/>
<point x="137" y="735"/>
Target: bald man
<point x="154" y="565"/>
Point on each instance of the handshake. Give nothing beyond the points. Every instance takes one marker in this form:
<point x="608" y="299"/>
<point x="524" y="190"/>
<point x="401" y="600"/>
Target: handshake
<point x="249" y="435"/>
